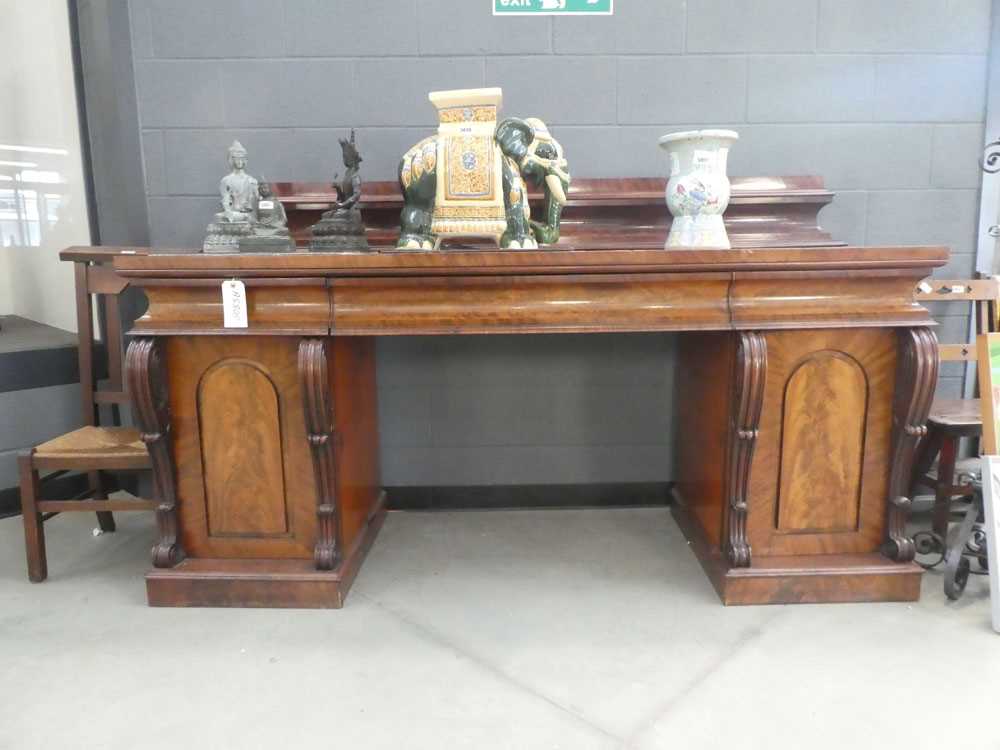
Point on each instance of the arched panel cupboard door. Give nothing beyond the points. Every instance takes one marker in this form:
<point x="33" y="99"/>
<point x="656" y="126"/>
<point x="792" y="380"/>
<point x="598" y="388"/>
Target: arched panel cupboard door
<point x="819" y="478"/>
<point x="239" y="427"/>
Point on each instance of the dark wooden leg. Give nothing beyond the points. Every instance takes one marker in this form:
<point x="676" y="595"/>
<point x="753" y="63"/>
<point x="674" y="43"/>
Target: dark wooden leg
<point x="146" y="383"/>
<point x="34" y="531"/>
<point x="916" y="379"/>
<point x="945" y="486"/>
<point x="748" y="400"/>
<point x="317" y="399"/>
<point x="927" y="451"/>
<point x="105" y="519"/>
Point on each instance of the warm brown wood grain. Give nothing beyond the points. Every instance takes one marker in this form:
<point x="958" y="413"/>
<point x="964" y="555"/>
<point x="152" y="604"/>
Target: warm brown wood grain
<point x="763" y="210"/>
<point x="745" y="404"/>
<point x="241" y="450"/>
<point x="806" y="299"/>
<point x="822" y="444"/>
<point x="197" y="308"/>
<point x="314" y="380"/>
<point x="817" y="500"/>
<point x="288" y="583"/>
<point x="702" y="397"/>
<point x="789" y="355"/>
<point x="534" y="291"/>
<point x="193" y="361"/>
<point x="801" y="579"/>
<point x="355" y="406"/>
<point x="864" y="381"/>
<point x="148" y="385"/>
<point x="915" y="378"/>
<point x="158" y="266"/>
<point x="593" y="302"/>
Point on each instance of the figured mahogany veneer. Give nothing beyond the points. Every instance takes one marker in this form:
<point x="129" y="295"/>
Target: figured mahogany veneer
<point x="610" y="213"/>
<point x="803" y="380"/>
<point x="386" y="293"/>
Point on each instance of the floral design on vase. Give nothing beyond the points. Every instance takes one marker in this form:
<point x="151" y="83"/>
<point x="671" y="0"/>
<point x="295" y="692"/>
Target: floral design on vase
<point x="698" y="189"/>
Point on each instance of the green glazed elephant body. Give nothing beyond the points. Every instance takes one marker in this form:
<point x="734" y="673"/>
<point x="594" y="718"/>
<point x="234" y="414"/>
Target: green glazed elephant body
<point x="527" y="154"/>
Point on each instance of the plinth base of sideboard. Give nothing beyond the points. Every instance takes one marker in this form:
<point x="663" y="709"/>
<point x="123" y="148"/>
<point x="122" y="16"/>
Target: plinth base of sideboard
<point x="802" y="579"/>
<point x="291" y="584"/>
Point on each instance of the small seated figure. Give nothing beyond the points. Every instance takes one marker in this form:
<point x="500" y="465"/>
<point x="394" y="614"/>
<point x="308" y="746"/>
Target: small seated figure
<point x="239" y="206"/>
<point x="270" y="231"/>
<point x="341" y="228"/>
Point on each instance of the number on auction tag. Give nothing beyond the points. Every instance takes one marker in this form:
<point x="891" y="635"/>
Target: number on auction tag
<point x="234" y="304"/>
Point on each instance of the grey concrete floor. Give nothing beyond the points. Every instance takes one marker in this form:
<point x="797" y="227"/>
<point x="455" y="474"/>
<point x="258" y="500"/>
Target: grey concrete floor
<point x="517" y="629"/>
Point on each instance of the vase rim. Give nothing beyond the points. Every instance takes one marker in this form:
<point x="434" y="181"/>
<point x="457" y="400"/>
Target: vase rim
<point x="690" y="135"/>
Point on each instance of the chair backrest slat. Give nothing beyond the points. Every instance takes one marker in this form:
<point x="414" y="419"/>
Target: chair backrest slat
<point x="96" y="282"/>
<point x="945" y="290"/>
<point x="982" y="294"/>
<point x="113" y="341"/>
<point x="85" y="343"/>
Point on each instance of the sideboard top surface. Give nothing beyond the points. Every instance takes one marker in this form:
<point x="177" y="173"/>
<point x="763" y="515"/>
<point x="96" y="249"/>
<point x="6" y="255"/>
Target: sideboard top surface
<point x="144" y="262"/>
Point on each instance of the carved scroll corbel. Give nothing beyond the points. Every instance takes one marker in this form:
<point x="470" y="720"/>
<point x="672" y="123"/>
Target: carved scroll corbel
<point x="147" y="386"/>
<point x="315" y="382"/>
<point x="748" y="400"/>
<point x="916" y="379"/>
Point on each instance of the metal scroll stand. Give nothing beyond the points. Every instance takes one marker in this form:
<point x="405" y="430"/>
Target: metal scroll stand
<point x="968" y="545"/>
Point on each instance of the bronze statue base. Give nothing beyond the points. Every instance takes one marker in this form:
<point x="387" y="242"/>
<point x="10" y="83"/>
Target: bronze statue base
<point x="339" y="230"/>
<point x="267" y="244"/>
<point x="225" y="237"/>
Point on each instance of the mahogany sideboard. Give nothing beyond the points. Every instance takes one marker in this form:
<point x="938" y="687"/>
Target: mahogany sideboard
<point x="804" y="378"/>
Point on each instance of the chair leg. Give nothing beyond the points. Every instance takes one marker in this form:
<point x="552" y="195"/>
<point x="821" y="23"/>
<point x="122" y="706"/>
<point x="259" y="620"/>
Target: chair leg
<point x="945" y="482"/>
<point x="927" y="451"/>
<point x="105" y="518"/>
<point x="34" y="531"/>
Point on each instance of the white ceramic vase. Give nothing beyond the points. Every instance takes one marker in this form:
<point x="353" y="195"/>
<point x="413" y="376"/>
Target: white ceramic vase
<point x="698" y="189"/>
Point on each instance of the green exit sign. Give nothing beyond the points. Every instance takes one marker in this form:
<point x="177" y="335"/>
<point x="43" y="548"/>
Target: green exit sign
<point x="553" y="7"/>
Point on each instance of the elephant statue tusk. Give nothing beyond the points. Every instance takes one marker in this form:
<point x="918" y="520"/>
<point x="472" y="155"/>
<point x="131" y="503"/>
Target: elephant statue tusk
<point x="555" y="187"/>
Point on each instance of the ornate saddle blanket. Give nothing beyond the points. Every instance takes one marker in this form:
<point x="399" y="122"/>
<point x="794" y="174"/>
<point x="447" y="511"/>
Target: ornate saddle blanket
<point x="469" y="199"/>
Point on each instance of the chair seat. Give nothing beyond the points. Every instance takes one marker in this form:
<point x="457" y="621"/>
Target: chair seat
<point x="955" y="413"/>
<point x="97" y="447"/>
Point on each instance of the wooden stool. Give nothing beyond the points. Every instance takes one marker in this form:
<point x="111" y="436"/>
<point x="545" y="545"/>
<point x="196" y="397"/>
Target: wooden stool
<point x="950" y="420"/>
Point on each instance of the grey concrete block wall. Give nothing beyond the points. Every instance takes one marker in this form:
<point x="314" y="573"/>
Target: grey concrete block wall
<point x="883" y="98"/>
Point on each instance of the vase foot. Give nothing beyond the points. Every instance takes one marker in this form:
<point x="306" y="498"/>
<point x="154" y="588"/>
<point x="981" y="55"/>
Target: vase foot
<point x="703" y="231"/>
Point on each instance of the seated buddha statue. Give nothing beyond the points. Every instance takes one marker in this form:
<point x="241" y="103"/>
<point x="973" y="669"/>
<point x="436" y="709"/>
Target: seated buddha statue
<point x="238" y="191"/>
<point x="270" y="230"/>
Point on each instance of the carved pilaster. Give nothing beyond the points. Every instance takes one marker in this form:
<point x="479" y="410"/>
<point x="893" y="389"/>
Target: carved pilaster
<point x="313" y="376"/>
<point x="148" y="388"/>
<point x="747" y="400"/>
<point x="916" y="379"/>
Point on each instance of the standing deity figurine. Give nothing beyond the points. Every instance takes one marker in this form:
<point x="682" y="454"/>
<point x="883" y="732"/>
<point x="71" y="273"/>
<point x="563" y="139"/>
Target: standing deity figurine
<point x="341" y="228"/>
<point x="239" y="205"/>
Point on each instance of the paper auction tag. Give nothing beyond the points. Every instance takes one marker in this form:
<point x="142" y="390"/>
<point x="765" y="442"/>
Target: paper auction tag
<point x="234" y="304"/>
<point x="266" y="205"/>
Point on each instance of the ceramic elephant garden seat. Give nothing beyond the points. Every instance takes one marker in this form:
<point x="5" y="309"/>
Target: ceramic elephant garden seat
<point x="471" y="178"/>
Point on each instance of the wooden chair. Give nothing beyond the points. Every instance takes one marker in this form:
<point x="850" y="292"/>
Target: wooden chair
<point x="93" y="448"/>
<point x="951" y="420"/>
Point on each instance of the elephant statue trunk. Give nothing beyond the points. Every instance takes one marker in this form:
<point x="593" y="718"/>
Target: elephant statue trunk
<point x="546" y="165"/>
<point x="470" y="180"/>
